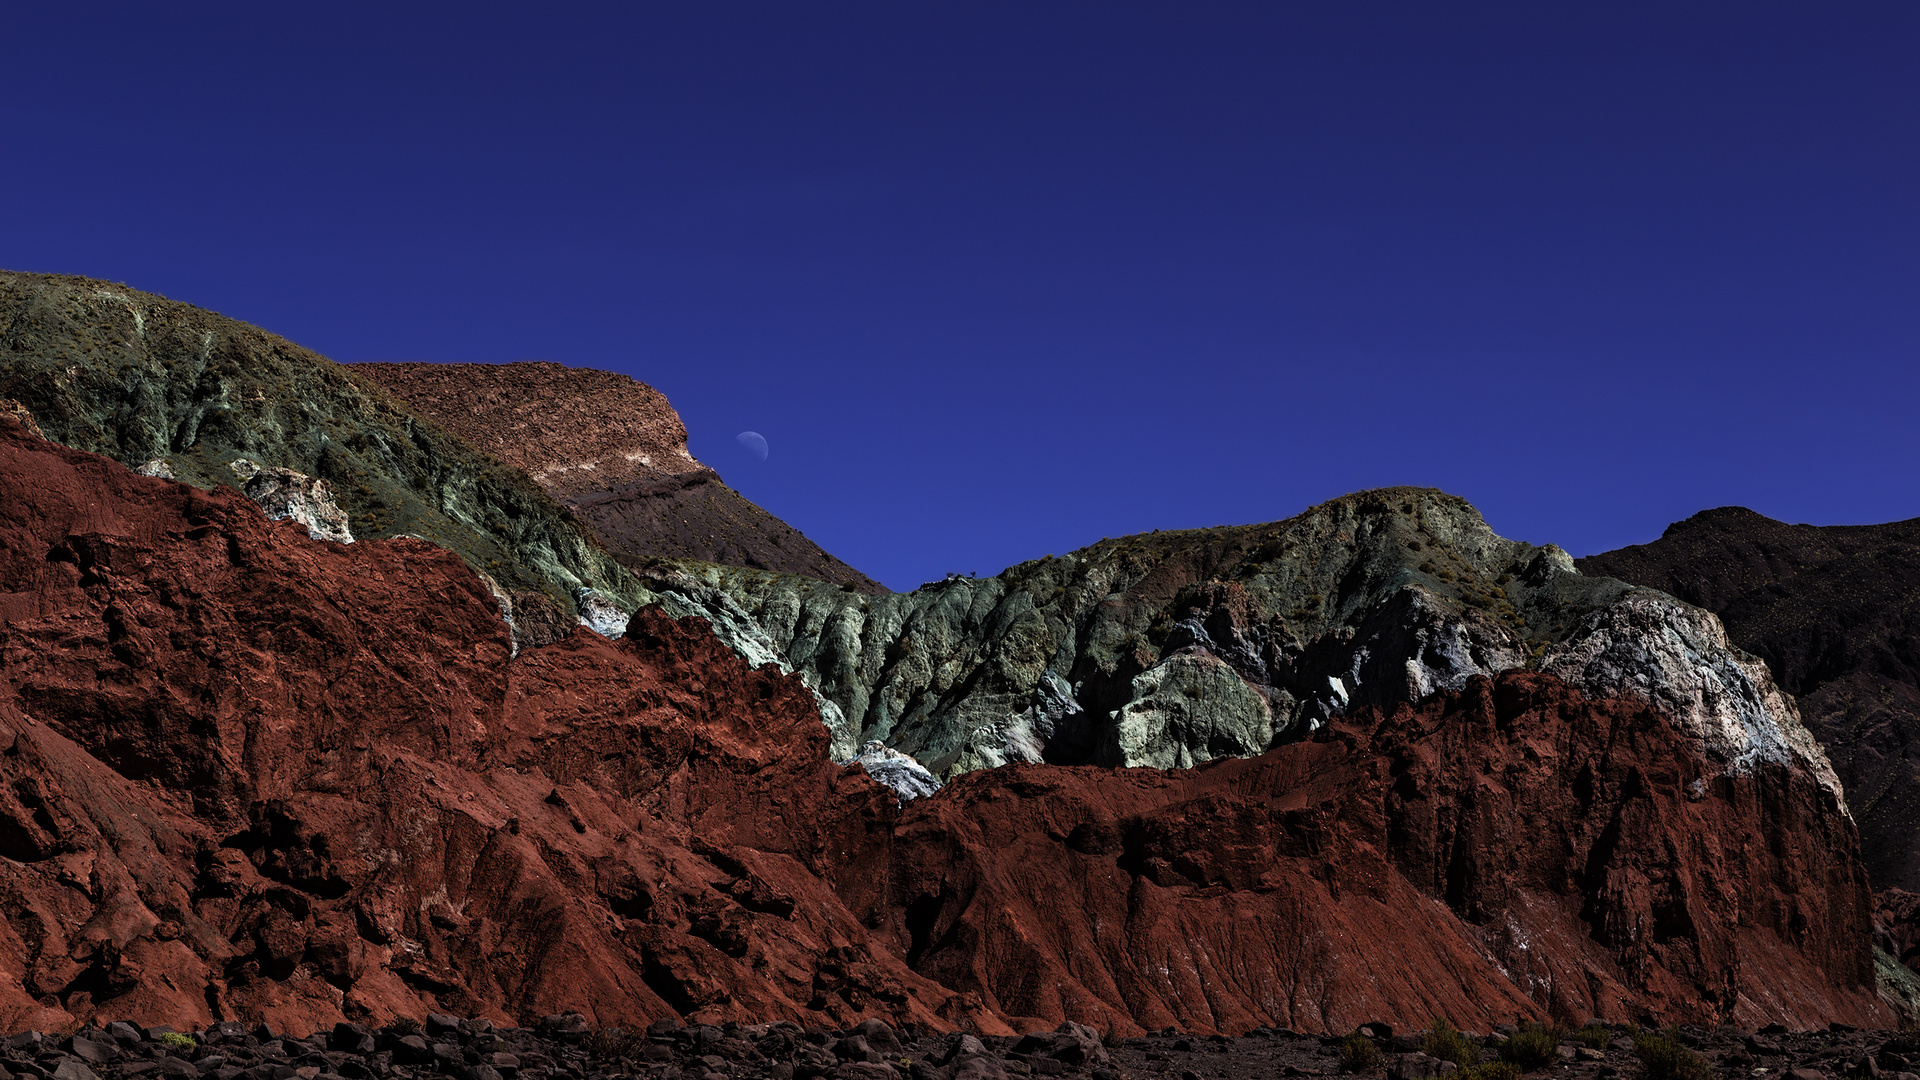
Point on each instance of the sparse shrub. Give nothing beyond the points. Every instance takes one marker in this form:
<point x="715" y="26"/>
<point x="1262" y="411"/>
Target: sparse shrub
<point x="1593" y="1036"/>
<point x="1492" y="1070"/>
<point x="177" y="1041"/>
<point x="1534" y="1046"/>
<point x="1445" y="1042"/>
<point x="610" y="1043"/>
<point x="1664" y="1058"/>
<point x="1358" y="1054"/>
<point x="404" y="1026"/>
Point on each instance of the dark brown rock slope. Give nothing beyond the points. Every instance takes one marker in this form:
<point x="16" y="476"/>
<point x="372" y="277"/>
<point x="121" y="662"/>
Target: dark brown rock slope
<point x="615" y="451"/>
<point x="1835" y="612"/>
<point x="246" y="774"/>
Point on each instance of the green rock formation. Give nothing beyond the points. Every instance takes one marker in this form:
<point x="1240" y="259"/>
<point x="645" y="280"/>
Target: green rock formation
<point x="137" y="377"/>
<point x="1172" y="648"/>
<point x="1228" y="636"/>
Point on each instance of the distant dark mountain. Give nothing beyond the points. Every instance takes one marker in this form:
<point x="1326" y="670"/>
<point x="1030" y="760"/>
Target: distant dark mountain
<point x="614" y="450"/>
<point x="1835" y="611"/>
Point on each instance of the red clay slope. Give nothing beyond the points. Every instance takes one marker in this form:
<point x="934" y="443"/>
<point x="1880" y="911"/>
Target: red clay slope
<point x="247" y="774"/>
<point x="1514" y="849"/>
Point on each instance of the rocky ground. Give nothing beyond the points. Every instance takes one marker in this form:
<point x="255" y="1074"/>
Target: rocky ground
<point x="566" y="1046"/>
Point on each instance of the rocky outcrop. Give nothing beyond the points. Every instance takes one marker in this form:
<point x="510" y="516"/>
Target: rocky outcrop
<point x="286" y="495"/>
<point x="139" y="378"/>
<point x="612" y="449"/>
<point x="10" y="407"/>
<point x="248" y="776"/>
<point x="1514" y="848"/>
<point x="1173" y="649"/>
<point x="907" y="777"/>
<point x="1832" y="612"/>
<point x="576" y="431"/>
<point x="600" y="613"/>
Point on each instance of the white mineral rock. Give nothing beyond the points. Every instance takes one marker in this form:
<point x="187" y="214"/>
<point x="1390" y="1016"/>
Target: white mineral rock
<point x="284" y="494"/>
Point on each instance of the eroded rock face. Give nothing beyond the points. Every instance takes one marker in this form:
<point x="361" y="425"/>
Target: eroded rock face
<point x="1832" y="611"/>
<point x="907" y="777"/>
<point x="1191" y="707"/>
<point x="1678" y="657"/>
<point x="613" y="450"/>
<point x="247" y="775"/>
<point x="1514" y="848"/>
<point x="600" y="614"/>
<point x="1174" y="649"/>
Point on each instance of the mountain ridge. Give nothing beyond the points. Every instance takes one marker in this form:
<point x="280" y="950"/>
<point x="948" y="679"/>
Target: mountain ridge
<point x="613" y="450"/>
<point x="1520" y="790"/>
<point x="1835" y="612"/>
<point x="304" y="781"/>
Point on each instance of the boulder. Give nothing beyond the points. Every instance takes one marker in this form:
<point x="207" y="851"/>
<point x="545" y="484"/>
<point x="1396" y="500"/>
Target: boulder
<point x="599" y="613"/>
<point x="288" y="495"/>
<point x="1070" y="1043"/>
<point x="908" y="778"/>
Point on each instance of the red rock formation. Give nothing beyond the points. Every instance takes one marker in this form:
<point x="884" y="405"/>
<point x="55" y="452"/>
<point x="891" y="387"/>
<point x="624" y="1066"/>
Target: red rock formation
<point x="251" y="774"/>
<point x="613" y="449"/>
<point x="248" y="774"/>
<point x="576" y="431"/>
<point x="1514" y="849"/>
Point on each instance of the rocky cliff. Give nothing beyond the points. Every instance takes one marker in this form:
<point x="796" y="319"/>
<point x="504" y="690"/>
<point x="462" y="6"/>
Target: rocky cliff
<point x="613" y="450"/>
<point x="249" y="774"/>
<point x="185" y="392"/>
<point x="1512" y="848"/>
<point x="1835" y="612"/>
<point x="254" y="775"/>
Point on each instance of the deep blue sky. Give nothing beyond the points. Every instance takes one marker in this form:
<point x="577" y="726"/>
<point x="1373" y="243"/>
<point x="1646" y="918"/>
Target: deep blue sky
<point x="997" y="280"/>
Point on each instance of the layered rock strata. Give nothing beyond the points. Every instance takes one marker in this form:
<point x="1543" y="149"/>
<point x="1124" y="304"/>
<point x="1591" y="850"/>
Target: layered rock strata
<point x="254" y="776"/>
<point x="1173" y="649"/>
<point x="1835" y="612"/>
<point x="613" y="450"/>
<point x="1529" y="848"/>
<point x="248" y="774"/>
<point x="162" y="385"/>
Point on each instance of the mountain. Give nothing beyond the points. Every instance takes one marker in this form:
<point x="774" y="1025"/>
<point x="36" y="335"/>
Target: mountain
<point x="1835" y="612"/>
<point x="143" y="379"/>
<point x="254" y="775"/>
<point x="1174" y="648"/>
<point x="614" y="451"/>
<point x="1369" y="763"/>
